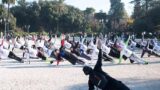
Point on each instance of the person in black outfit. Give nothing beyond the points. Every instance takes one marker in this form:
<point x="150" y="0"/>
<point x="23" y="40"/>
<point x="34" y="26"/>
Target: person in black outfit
<point x="100" y="79"/>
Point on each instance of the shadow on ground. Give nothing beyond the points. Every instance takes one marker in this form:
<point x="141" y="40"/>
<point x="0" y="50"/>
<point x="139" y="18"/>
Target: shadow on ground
<point x="83" y="86"/>
<point x="140" y="84"/>
<point x="133" y="84"/>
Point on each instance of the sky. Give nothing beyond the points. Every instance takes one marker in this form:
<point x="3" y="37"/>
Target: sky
<point x="98" y="5"/>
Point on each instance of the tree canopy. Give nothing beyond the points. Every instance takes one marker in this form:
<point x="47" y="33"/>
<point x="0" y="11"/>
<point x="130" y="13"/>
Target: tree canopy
<point x="56" y="16"/>
<point x="146" y="15"/>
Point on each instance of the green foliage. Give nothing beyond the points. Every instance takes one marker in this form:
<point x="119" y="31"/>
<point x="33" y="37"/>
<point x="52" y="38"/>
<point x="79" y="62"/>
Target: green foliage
<point x="142" y="25"/>
<point x="56" y="16"/>
<point x="101" y="16"/>
<point x="3" y="19"/>
<point x="88" y="30"/>
<point x="19" y="32"/>
<point x="89" y="11"/>
<point x="117" y="15"/>
<point x="117" y="10"/>
<point x="52" y="16"/>
<point x="8" y="1"/>
<point x="150" y="21"/>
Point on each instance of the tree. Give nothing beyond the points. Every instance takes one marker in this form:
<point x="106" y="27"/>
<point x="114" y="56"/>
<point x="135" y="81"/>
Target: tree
<point x="89" y="11"/>
<point x="8" y="2"/>
<point x="101" y="16"/>
<point x="22" y="3"/>
<point x="21" y="13"/>
<point x="155" y="3"/>
<point x="146" y="16"/>
<point x="137" y="9"/>
<point x="48" y="15"/>
<point x="117" y="14"/>
<point x="102" y="19"/>
<point x="141" y="7"/>
<point x="89" y="19"/>
<point x="3" y="19"/>
<point x="60" y="10"/>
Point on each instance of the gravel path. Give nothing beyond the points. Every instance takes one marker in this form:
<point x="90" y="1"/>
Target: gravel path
<point x="42" y="76"/>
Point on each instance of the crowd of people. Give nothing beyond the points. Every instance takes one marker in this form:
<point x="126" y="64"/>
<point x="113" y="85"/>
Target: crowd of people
<point x="81" y="50"/>
<point x="78" y="50"/>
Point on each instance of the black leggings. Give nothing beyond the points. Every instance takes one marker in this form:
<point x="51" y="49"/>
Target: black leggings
<point x="13" y="56"/>
<point x="106" y="57"/>
<point x="114" y="52"/>
<point x="72" y="59"/>
<point x="40" y="55"/>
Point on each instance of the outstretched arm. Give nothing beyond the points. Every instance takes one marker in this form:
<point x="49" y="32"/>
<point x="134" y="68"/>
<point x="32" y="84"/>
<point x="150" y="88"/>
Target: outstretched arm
<point x="2" y="43"/>
<point x="98" y="66"/>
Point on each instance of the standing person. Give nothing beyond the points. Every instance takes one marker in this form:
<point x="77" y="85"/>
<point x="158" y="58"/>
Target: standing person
<point x="100" y="79"/>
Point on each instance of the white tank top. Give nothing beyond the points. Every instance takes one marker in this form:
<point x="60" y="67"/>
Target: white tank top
<point x="4" y="53"/>
<point x="105" y="49"/>
<point x="32" y="52"/>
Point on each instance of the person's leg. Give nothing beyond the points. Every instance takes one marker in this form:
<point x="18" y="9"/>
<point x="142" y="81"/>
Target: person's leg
<point x="143" y="52"/>
<point x="85" y="56"/>
<point x="40" y="55"/>
<point x="137" y="59"/>
<point x="124" y="57"/>
<point x="12" y="49"/>
<point x="79" y="61"/>
<point x="53" y="54"/>
<point x="156" y="53"/>
<point x="150" y="53"/>
<point x="75" y="52"/>
<point x="114" y="53"/>
<point x="58" y="58"/>
<point x="116" y="85"/>
<point x="107" y="58"/>
<point x="13" y="56"/>
<point x="23" y="54"/>
<point x="72" y="59"/>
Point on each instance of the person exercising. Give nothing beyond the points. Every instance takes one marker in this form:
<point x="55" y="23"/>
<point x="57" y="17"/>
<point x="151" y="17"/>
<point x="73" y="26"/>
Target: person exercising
<point x="100" y="79"/>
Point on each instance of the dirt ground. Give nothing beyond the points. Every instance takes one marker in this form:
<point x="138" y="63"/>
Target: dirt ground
<point x="43" y="76"/>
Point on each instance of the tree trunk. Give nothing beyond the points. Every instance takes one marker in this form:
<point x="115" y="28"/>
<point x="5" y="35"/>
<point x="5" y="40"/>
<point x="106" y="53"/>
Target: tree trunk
<point x="8" y="17"/>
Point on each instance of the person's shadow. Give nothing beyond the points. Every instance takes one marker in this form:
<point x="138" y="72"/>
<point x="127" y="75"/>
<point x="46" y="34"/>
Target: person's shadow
<point x="82" y="86"/>
<point x="132" y="83"/>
